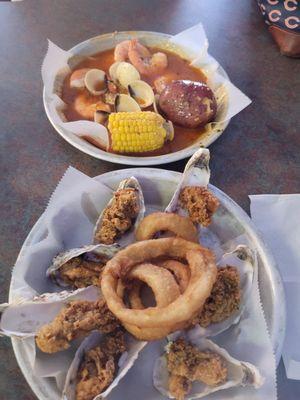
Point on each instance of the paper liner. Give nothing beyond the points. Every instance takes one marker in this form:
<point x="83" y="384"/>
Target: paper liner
<point x="67" y="223"/>
<point x="192" y="43"/>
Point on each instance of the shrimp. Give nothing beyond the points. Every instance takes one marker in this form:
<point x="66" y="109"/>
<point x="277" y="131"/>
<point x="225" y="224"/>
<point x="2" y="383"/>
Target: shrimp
<point x="121" y="50"/>
<point x="143" y="61"/>
<point x="85" y="106"/>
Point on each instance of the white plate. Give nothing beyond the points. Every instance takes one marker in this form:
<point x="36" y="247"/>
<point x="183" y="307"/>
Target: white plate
<point x="108" y="41"/>
<point x="235" y="222"/>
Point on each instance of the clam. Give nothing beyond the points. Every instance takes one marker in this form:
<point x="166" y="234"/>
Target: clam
<point x="101" y="116"/>
<point x="24" y="319"/>
<point x="125" y="103"/>
<point x="125" y="362"/>
<point x="128" y="236"/>
<point x="89" y="258"/>
<point x="126" y="73"/>
<point x="244" y="260"/>
<point x="113" y="70"/>
<point x="95" y="81"/>
<point x="239" y="373"/>
<point x="77" y="78"/>
<point x="142" y="93"/>
<point x="196" y="173"/>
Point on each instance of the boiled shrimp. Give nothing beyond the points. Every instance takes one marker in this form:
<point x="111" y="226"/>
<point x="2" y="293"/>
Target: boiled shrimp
<point x="85" y="106"/>
<point x="143" y="61"/>
<point x="121" y="50"/>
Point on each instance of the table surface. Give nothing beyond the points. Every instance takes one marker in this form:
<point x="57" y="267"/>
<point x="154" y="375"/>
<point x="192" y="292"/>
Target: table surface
<point x="258" y="153"/>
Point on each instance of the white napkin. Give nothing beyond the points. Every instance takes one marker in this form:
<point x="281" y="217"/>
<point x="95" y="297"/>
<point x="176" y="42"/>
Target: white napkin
<point x="278" y="219"/>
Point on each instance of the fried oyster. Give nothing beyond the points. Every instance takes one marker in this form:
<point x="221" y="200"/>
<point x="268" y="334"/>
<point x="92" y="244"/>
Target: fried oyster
<point x="200" y="204"/>
<point x="224" y="299"/>
<point x="99" y="366"/>
<point x="186" y="364"/>
<point x="80" y="273"/>
<point x="119" y="216"/>
<point x="75" y="320"/>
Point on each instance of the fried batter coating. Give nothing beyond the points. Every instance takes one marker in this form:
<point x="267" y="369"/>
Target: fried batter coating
<point x="98" y="367"/>
<point x="75" y="320"/>
<point x="81" y="273"/>
<point x="200" y="203"/>
<point x="185" y="360"/>
<point x="179" y="386"/>
<point x="119" y="216"/>
<point x="224" y="299"/>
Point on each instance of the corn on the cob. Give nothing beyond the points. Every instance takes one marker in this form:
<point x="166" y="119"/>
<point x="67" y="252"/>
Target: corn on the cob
<point x="135" y="132"/>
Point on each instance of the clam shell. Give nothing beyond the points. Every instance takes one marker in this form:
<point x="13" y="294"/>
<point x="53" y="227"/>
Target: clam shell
<point x="126" y="361"/>
<point x="245" y="261"/>
<point x="93" y="78"/>
<point x="240" y="373"/>
<point x="125" y="103"/>
<point x="196" y="173"/>
<point x="128" y="237"/>
<point x="113" y="70"/>
<point x="96" y="252"/>
<point x="142" y="93"/>
<point x="23" y="320"/>
<point x="77" y="78"/>
<point x="126" y="73"/>
<point x="101" y="116"/>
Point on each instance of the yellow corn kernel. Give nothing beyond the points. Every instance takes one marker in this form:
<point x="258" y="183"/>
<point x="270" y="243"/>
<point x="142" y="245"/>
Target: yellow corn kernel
<point x="137" y="131"/>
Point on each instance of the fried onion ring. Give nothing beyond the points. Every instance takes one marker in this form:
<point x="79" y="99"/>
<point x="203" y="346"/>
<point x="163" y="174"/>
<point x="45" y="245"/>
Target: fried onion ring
<point x="180" y="271"/>
<point x="163" y="320"/>
<point x="180" y="226"/>
<point x="134" y="296"/>
<point x="160" y="280"/>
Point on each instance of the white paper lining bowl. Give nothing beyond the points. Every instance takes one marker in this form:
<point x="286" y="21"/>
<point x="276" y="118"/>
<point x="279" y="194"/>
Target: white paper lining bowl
<point x="108" y="41"/>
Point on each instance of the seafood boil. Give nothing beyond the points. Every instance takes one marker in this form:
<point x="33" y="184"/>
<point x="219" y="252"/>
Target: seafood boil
<point x="151" y="100"/>
<point x="145" y="278"/>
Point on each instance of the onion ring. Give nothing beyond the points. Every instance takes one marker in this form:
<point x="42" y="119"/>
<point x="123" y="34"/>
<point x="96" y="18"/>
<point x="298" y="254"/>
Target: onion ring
<point x="180" y="271"/>
<point x="180" y="226"/>
<point x="160" y="280"/>
<point x="134" y="296"/>
<point x="203" y="275"/>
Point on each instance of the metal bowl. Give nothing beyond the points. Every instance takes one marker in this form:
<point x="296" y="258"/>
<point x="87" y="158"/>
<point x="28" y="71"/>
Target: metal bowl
<point x="158" y="186"/>
<point x="108" y="41"/>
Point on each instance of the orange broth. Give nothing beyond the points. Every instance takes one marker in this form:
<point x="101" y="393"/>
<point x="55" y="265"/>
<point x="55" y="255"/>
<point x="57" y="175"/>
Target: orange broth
<point x="177" y="66"/>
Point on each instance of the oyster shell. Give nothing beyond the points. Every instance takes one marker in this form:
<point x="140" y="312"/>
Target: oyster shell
<point x="125" y="362"/>
<point x="240" y="373"/>
<point x="196" y="173"/>
<point x="244" y="260"/>
<point x="98" y="254"/>
<point x="24" y="319"/>
<point x="127" y="237"/>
